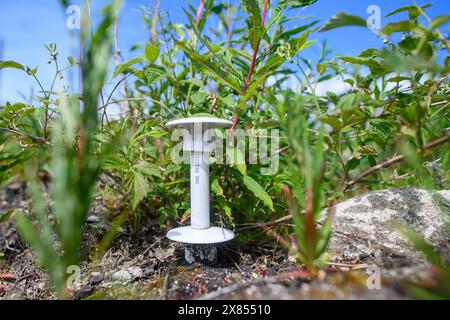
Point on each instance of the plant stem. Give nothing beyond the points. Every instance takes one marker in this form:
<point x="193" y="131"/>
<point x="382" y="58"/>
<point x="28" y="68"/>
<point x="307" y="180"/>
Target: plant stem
<point x="440" y="35"/>
<point x="252" y="226"/>
<point x="25" y="135"/>
<point x="252" y="66"/>
<point x="229" y="27"/>
<point x="394" y="160"/>
<point x="263" y="20"/>
<point x="199" y="11"/>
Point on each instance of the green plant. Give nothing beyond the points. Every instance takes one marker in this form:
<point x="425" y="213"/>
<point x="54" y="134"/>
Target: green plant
<point x="74" y="167"/>
<point x="306" y="201"/>
<point x="251" y="69"/>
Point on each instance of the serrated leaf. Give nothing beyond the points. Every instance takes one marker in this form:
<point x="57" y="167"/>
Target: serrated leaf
<point x="147" y="169"/>
<point x="344" y="20"/>
<point x="153" y="73"/>
<point x="258" y="191"/>
<point x="138" y="188"/>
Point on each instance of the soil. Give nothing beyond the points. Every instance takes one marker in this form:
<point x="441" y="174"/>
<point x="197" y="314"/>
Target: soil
<point x="146" y="265"/>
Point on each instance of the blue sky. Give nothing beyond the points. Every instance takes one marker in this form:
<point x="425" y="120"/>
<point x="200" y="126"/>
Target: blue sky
<point x="27" y="24"/>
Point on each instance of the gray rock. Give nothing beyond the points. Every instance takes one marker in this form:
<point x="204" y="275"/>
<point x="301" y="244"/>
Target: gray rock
<point x="365" y="226"/>
<point x="84" y="292"/>
<point x="95" y="280"/>
<point x="201" y="253"/>
<point x="148" y="271"/>
<point x="122" y="276"/>
<point x="128" y="274"/>
<point x="93" y="218"/>
<point x="136" y="272"/>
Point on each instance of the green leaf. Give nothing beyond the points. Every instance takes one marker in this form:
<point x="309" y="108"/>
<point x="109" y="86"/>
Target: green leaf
<point x="147" y="169"/>
<point x="292" y="32"/>
<point x="199" y="97"/>
<point x="224" y="59"/>
<point x="14" y="107"/>
<point x="194" y="82"/>
<point x="153" y="73"/>
<point x="282" y="5"/>
<point x="352" y="101"/>
<point x="258" y="191"/>
<point x="32" y="72"/>
<point x="344" y="20"/>
<point x="324" y="234"/>
<point x="138" y="187"/>
<point x="210" y="67"/>
<point x="439" y="21"/>
<point x="332" y="121"/>
<point x="413" y="11"/>
<point x="7" y="215"/>
<point x="151" y="52"/>
<point x="121" y="68"/>
<point x="401" y="26"/>
<point x="216" y="188"/>
<point x="251" y="7"/>
<point x="71" y="60"/>
<point x="202" y="114"/>
<point x="11" y="64"/>
<point x="398" y="79"/>
<point x="376" y="68"/>
<point x="396" y="61"/>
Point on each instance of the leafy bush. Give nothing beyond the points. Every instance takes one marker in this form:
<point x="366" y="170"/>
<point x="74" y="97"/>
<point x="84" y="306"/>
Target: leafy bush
<point x="332" y="146"/>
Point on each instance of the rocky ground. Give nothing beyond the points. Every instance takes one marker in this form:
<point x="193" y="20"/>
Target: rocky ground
<point x="368" y="258"/>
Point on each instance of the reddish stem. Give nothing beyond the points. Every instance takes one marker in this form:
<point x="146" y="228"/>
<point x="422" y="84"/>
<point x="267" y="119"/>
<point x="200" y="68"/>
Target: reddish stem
<point x="236" y="119"/>
<point x="252" y="65"/>
<point x="200" y="10"/>
<point x="263" y="20"/>
<point x="250" y="72"/>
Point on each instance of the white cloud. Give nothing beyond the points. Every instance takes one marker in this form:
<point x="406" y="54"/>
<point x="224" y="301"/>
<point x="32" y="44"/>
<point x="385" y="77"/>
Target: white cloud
<point x="335" y="85"/>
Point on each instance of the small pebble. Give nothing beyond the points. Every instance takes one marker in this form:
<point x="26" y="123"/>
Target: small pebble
<point x="136" y="272"/>
<point x="95" y="280"/>
<point x="148" y="271"/>
<point x="93" y="219"/>
<point x="122" y="276"/>
<point x="84" y="292"/>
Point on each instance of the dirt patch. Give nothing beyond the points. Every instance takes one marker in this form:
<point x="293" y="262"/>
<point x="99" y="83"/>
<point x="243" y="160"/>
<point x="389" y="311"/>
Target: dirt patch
<point x="146" y="265"/>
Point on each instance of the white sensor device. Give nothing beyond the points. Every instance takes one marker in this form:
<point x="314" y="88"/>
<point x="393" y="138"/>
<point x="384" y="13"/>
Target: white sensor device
<point x="200" y="231"/>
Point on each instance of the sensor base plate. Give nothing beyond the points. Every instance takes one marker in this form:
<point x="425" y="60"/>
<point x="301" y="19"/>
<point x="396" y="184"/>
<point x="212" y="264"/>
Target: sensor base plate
<point x="200" y="236"/>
